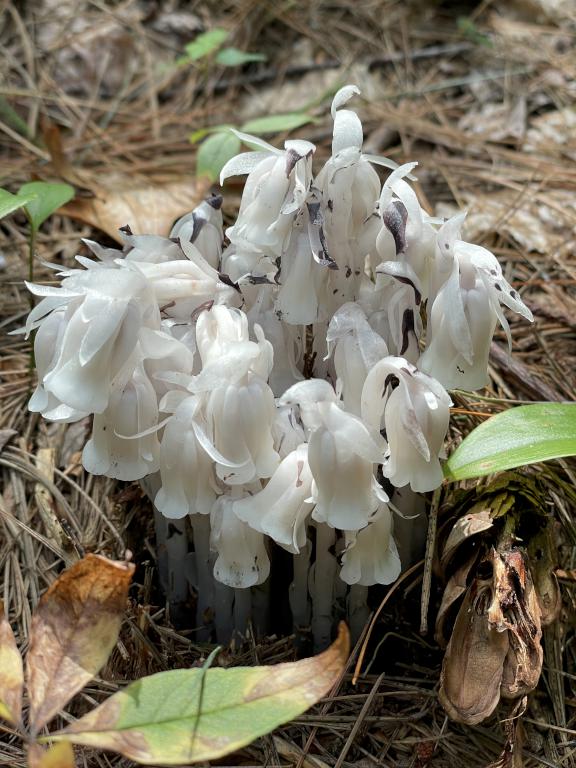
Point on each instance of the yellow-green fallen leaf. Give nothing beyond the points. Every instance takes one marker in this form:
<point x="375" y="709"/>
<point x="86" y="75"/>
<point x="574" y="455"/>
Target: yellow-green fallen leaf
<point x="61" y="755"/>
<point x="11" y="672"/>
<point x="74" y="629"/>
<point x="190" y="715"/>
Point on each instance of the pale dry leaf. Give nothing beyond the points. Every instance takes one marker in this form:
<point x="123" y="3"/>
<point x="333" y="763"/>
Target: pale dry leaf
<point x="11" y="673"/>
<point x="74" y="629"/>
<point x="473" y="662"/>
<point x="149" y="209"/>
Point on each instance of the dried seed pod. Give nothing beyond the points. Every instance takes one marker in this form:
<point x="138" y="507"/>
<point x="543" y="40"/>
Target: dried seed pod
<point x="542" y="562"/>
<point x="474" y="659"/>
<point x="523" y="663"/>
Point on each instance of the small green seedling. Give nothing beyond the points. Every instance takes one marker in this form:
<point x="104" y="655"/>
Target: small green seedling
<point x="38" y="200"/>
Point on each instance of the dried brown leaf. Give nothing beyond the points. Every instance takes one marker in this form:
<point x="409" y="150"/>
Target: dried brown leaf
<point x="146" y="209"/>
<point x="453" y="591"/>
<point x="472" y="667"/>
<point x="11" y="673"/>
<point x="73" y="632"/>
<point x="466" y="526"/>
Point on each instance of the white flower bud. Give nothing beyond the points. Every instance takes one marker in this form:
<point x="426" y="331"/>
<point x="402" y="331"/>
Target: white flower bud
<point x="242" y="558"/>
<point x="415" y="417"/>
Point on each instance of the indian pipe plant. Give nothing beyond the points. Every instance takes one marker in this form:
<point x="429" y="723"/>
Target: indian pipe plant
<point x="282" y="384"/>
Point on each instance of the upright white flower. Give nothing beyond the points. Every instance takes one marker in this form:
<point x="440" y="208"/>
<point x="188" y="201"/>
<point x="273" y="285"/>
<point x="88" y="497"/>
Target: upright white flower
<point x="242" y="558"/>
<point x="282" y="507"/>
<point x="203" y="230"/>
<point x="349" y="188"/>
<point x="276" y="189"/>
<point x="371" y="556"/>
<point x="414" y="411"/>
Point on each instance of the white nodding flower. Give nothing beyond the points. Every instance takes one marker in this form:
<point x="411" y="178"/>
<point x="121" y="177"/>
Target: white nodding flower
<point x="202" y="230"/>
<point x="184" y="287"/>
<point x="276" y="189"/>
<point x="105" y="310"/>
<point x="284" y="371"/>
<point x="239" y="419"/>
<point x="414" y="410"/>
<point x="342" y="453"/>
<point x="371" y="556"/>
<point x="131" y="413"/>
<point x="395" y="305"/>
<point x="463" y="318"/>
<point x="242" y="558"/>
<point x="282" y="507"/>
<point x="186" y="470"/>
<point x="152" y="249"/>
<point x="357" y="348"/>
<point x="46" y="344"/>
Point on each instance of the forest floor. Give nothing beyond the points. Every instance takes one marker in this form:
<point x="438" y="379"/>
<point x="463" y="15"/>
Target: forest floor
<point x="483" y="95"/>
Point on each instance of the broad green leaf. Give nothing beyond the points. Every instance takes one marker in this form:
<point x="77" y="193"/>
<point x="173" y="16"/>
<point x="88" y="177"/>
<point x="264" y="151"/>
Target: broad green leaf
<point x="10" y="203"/>
<point x="522" y="435"/>
<point x="73" y="631"/>
<point x="205" y="43"/>
<point x="234" y="57"/>
<point x="214" y="153"/>
<point x="11" y="673"/>
<point x="277" y="123"/>
<point x="48" y="197"/>
<point x="191" y="715"/>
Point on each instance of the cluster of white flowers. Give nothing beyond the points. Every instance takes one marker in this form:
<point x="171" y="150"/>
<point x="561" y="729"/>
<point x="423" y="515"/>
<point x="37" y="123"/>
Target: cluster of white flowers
<point x="271" y="382"/>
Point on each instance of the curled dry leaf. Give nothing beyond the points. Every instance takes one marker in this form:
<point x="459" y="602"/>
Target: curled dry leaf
<point x="74" y="629"/>
<point x="472" y="667"/>
<point x="466" y="526"/>
<point x="453" y="591"/>
<point x="515" y="607"/>
<point x="11" y="673"/>
<point x="191" y="715"/>
<point x="150" y="208"/>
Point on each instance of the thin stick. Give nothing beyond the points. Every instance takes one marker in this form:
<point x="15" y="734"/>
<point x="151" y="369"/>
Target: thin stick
<point x="428" y="558"/>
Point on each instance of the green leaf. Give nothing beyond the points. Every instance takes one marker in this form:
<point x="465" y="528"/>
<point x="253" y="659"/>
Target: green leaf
<point x="47" y="198"/>
<point x="234" y="57"/>
<point x="192" y="715"/>
<point x="205" y="43"/>
<point x="523" y="435"/>
<point x="196" y="136"/>
<point x="10" y="203"/>
<point x="277" y="123"/>
<point x="214" y="153"/>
